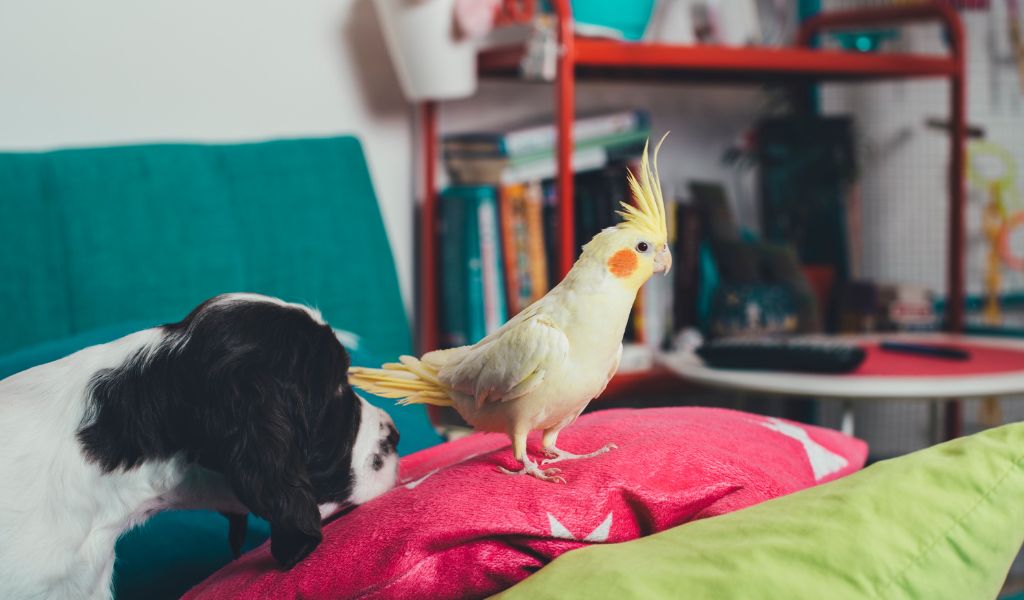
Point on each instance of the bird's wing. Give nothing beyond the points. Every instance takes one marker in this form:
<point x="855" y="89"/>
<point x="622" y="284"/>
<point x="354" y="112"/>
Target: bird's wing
<point x="611" y="372"/>
<point x="509" y="363"/>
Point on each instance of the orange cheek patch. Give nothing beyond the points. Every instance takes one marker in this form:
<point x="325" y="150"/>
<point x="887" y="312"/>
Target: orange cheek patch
<point x="623" y="263"/>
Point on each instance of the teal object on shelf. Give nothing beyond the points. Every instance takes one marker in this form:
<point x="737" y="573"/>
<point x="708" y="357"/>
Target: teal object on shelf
<point x="864" y="41"/>
<point x="627" y="19"/>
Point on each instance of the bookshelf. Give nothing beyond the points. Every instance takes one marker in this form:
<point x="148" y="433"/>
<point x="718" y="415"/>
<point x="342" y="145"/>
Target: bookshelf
<point x="583" y="59"/>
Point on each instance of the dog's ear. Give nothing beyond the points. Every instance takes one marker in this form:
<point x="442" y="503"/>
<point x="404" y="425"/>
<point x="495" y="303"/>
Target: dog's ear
<point x="265" y="465"/>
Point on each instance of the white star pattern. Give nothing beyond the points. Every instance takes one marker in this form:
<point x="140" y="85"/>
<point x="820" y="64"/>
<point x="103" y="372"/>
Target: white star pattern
<point x="411" y="485"/>
<point x="599" y="534"/>
<point x="822" y="461"/>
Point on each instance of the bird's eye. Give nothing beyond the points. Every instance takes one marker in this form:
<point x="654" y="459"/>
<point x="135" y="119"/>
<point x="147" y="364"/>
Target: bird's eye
<point x="642" y="247"/>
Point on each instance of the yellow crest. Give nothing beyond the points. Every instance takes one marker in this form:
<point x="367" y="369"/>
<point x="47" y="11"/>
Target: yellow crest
<point x="648" y="215"/>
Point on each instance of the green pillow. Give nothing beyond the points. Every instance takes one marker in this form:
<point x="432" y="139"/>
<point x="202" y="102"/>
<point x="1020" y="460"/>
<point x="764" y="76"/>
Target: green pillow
<point x="945" y="522"/>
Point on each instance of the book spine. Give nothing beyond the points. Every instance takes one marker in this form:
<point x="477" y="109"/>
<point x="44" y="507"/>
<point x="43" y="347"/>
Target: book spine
<point x="523" y="284"/>
<point x="494" y="306"/>
<point x="585" y="216"/>
<point x="552" y="224"/>
<point x="586" y="159"/>
<point x="588" y="156"/>
<point x="610" y="124"/>
<point x="476" y="327"/>
<point x="453" y="271"/>
<point x="492" y="144"/>
<point x="686" y="256"/>
<point x="538" y="266"/>
<point x="540" y="138"/>
<point x="629" y="143"/>
<point x="508" y="199"/>
<point x="480" y="149"/>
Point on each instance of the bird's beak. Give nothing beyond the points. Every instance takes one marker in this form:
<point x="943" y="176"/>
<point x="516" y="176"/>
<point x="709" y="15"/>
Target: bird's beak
<point x="663" y="260"/>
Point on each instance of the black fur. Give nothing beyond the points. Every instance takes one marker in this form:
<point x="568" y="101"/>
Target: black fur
<point x="386" y="447"/>
<point x="237" y="526"/>
<point x="253" y="390"/>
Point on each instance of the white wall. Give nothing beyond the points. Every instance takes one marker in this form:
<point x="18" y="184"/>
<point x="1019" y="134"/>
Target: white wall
<point x="116" y="71"/>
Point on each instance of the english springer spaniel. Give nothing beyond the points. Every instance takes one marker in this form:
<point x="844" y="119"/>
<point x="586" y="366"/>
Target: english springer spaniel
<point x="243" y="406"/>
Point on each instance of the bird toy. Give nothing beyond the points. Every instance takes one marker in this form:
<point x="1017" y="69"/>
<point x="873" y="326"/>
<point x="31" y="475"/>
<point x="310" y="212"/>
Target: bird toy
<point x="992" y="168"/>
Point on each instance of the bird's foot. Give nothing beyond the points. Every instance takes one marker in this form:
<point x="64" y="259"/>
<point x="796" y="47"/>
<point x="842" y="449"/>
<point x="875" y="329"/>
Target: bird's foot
<point x="531" y="468"/>
<point x="555" y="455"/>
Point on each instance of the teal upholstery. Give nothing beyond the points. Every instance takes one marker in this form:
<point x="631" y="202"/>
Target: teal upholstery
<point x="94" y="237"/>
<point x="95" y="243"/>
<point x="50" y="350"/>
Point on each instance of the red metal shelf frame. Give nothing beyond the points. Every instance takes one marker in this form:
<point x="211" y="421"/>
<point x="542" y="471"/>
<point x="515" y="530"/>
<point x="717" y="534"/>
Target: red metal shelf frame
<point x="582" y="58"/>
<point x="608" y="58"/>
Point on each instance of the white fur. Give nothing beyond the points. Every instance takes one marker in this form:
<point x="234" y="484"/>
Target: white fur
<point x="367" y="483"/>
<point x="247" y="297"/>
<point x="60" y="515"/>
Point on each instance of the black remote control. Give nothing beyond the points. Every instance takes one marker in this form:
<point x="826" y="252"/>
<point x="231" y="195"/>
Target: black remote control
<point x="782" y="354"/>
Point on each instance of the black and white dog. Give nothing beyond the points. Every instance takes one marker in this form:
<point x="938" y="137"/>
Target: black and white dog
<point x="243" y="406"/>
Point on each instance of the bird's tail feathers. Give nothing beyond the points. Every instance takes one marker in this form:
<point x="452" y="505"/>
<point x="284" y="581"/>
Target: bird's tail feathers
<point x="410" y="381"/>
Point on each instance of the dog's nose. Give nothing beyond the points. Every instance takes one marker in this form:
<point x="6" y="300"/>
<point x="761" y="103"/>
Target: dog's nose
<point x="393" y="435"/>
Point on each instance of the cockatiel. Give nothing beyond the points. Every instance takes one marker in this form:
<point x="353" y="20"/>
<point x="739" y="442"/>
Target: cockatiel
<point x="542" y="367"/>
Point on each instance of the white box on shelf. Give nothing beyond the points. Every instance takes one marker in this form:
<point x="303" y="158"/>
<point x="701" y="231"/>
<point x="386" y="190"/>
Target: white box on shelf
<point x="432" y="60"/>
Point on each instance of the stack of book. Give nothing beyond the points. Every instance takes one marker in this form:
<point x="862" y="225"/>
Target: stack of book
<point x="527" y="153"/>
<point x="500" y="227"/>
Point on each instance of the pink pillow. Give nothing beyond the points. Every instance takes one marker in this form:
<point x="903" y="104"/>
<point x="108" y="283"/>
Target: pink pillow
<point x="455" y="527"/>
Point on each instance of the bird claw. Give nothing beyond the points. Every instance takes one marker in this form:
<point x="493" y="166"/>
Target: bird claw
<point x="556" y="455"/>
<point x="530" y="468"/>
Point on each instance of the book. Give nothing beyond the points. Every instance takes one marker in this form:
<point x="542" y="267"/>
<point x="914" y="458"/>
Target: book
<point x="552" y="227"/>
<point x="686" y="264"/>
<point x="540" y="136"/>
<point x="513" y="242"/>
<point x="472" y="291"/>
<point x="598" y="195"/>
<point x="474" y="171"/>
<point x="495" y="311"/>
<point x="522" y="236"/>
<point x="535" y="250"/>
<point x="587" y="156"/>
<point x="454" y="270"/>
